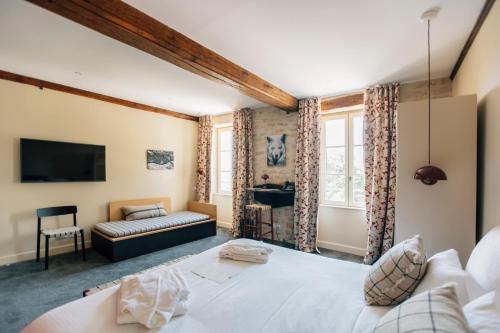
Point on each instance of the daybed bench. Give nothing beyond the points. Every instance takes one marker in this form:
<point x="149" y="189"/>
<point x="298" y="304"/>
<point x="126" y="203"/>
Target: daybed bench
<point x="120" y="239"/>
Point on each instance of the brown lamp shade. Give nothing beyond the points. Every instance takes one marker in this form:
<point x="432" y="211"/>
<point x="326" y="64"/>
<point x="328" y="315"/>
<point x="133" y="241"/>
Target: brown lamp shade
<point x="429" y="174"/>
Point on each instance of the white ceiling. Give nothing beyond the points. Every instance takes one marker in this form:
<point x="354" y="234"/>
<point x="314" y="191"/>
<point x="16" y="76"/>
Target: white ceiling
<point x="307" y="48"/>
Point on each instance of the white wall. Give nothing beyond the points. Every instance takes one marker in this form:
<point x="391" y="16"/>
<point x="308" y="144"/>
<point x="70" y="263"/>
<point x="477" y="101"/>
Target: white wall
<point x="443" y="214"/>
<point x="480" y="74"/>
<point x="224" y="204"/>
<point x="29" y="112"/>
<point x="342" y="229"/>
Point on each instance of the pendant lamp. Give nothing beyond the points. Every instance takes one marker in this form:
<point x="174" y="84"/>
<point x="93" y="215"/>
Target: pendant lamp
<point x="429" y="174"/>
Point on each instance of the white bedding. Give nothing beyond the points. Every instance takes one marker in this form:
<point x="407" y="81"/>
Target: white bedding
<point x="293" y="292"/>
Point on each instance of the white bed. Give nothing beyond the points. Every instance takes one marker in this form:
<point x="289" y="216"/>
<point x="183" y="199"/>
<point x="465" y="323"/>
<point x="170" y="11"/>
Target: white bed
<point x="293" y="292"/>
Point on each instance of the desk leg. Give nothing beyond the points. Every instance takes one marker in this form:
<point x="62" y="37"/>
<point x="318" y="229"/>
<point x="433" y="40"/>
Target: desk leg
<point x="260" y="223"/>
<point x="272" y="224"/>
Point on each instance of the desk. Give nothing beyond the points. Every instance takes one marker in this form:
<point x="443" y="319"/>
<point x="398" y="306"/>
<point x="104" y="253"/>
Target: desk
<point x="275" y="197"/>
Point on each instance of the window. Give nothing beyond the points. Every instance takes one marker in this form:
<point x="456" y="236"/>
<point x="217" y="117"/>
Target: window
<point x="224" y="159"/>
<point x="342" y="167"/>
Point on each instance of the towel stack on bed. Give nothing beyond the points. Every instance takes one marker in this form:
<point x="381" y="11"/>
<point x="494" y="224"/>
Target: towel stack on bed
<point x="245" y="250"/>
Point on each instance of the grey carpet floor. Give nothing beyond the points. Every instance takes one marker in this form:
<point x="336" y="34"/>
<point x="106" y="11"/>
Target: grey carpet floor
<point x="27" y="291"/>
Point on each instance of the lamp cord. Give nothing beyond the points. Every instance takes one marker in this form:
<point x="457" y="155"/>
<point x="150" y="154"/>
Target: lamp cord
<point x="429" y="83"/>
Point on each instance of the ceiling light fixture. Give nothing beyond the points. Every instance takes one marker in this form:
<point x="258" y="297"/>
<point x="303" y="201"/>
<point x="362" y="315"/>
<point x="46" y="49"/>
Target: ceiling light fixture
<point x="429" y="174"/>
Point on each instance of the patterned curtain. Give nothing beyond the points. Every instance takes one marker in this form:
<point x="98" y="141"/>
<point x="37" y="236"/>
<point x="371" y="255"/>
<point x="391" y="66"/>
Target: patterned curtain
<point x="205" y="126"/>
<point x="242" y="165"/>
<point x="380" y="149"/>
<point x="307" y="175"/>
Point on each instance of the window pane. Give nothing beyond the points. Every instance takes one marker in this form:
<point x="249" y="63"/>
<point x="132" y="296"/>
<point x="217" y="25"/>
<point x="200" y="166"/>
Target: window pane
<point x="225" y="181"/>
<point x="358" y="190"/>
<point x="335" y="188"/>
<point x="357" y="130"/>
<point x="358" y="177"/>
<point x="225" y="161"/>
<point x="226" y="139"/>
<point x="335" y="160"/>
<point x="335" y="132"/>
<point x="357" y="158"/>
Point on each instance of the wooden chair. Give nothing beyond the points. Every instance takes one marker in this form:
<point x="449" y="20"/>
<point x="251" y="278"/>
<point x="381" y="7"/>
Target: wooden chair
<point x="64" y="232"/>
<point x="253" y="221"/>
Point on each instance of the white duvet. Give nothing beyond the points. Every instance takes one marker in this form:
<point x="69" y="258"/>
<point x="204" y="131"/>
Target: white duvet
<point x="293" y="292"/>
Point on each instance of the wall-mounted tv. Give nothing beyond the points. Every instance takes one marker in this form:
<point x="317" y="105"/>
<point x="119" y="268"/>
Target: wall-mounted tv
<point x="52" y="161"/>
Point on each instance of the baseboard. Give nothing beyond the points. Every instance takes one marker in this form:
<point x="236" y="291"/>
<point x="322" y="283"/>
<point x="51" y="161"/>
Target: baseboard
<point x="224" y="224"/>
<point x="29" y="255"/>
<point x="342" y="248"/>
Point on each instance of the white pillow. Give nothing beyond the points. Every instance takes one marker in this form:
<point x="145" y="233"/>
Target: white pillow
<point x="483" y="313"/>
<point x="484" y="261"/>
<point x="445" y="267"/>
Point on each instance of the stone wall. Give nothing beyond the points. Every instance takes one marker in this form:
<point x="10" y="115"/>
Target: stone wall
<point x="272" y="121"/>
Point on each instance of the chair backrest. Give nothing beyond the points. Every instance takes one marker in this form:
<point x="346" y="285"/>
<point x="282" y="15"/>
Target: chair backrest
<point x="56" y="211"/>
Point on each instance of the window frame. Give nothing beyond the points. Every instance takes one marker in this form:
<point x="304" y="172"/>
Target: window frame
<point x="218" y="131"/>
<point x="348" y="117"/>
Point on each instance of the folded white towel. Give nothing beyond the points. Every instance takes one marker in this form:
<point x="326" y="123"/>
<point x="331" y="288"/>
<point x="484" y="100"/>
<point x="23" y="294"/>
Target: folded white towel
<point x="249" y="243"/>
<point x="152" y="299"/>
<point x="245" y="250"/>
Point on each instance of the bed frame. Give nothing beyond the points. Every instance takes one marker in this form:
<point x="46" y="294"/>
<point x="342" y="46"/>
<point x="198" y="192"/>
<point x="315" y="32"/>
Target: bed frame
<point x="120" y="248"/>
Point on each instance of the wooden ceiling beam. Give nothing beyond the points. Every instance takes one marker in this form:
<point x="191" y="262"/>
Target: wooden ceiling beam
<point x="75" y="91"/>
<point x="122" y="22"/>
<point x="470" y="40"/>
<point x="342" y="101"/>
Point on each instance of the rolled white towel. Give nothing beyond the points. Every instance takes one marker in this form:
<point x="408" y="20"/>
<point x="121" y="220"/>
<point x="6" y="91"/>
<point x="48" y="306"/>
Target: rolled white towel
<point x="152" y="299"/>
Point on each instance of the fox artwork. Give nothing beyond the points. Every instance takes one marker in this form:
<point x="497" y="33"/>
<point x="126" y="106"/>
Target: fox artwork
<point x="276" y="152"/>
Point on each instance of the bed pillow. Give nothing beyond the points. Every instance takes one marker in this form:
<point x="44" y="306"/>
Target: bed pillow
<point x="143" y="212"/>
<point x="394" y="277"/>
<point x="483" y="313"/>
<point x="444" y="267"/>
<point x="483" y="261"/>
<point x="436" y="310"/>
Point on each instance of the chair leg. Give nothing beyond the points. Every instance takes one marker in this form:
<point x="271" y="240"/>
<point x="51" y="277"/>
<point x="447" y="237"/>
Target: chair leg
<point x="38" y="246"/>
<point x="75" y="237"/>
<point x="47" y="252"/>
<point x="83" y="245"/>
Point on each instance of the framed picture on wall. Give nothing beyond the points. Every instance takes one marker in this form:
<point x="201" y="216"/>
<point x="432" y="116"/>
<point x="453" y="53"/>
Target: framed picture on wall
<point x="276" y="150"/>
<point x="160" y="160"/>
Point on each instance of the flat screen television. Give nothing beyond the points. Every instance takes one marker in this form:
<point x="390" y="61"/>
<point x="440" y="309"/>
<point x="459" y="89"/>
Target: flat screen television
<point x="52" y="161"/>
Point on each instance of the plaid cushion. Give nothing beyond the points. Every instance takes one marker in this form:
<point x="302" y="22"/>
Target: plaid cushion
<point x="436" y="310"/>
<point x="143" y="212"/>
<point x="394" y="277"/>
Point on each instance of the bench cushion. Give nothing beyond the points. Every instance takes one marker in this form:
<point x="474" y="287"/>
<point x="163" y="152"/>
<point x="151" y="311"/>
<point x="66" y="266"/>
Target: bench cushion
<point x="126" y="228"/>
